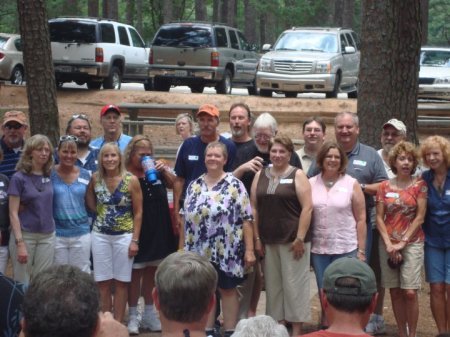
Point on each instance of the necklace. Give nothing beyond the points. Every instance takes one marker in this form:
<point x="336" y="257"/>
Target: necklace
<point x="329" y="183"/>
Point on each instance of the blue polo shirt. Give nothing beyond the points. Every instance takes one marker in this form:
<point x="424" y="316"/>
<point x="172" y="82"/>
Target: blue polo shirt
<point x="10" y="159"/>
<point x="437" y="218"/>
<point x="190" y="162"/>
<point x="122" y="142"/>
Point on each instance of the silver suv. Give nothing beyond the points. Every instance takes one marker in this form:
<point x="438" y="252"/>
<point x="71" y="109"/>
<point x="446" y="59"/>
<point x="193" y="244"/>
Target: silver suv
<point x="202" y="55"/>
<point x="98" y="52"/>
<point x="324" y="60"/>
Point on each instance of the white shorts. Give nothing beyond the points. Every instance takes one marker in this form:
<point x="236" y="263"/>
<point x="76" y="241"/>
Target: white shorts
<point x="74" y="251"/>
<point x="110" y="255"/>
<point x="4" y="255"/>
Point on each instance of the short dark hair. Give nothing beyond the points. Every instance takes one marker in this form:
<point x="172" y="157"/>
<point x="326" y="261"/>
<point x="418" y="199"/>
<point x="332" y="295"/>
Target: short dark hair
<point x="323" y="151"/>
<point x="61" y="301"/>
<point x="316" y="119"/>
<point x="348" y="302"/>
<point x="282" y="140"/>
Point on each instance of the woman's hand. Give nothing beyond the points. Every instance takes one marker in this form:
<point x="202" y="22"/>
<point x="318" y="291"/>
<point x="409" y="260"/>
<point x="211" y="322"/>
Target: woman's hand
<point x="22" y="253"/>
<point x="133" y="249"/>
<point x="298" y="248"/>
<point x="259" y="248"/>
<point x="249" y="258"/>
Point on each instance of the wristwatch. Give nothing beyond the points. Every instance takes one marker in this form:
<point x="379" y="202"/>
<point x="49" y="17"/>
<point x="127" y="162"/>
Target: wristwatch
<point x="19" y="241"/>
<point x="363" y="187"/>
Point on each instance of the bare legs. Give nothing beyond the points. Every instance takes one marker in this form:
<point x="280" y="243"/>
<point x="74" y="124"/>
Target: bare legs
<point x="405" y="305"/>
<point x="230" y="309"/>
<point x="147" y="276"/>
<point x="120" y="297"/>
<point x="440" y="305"/>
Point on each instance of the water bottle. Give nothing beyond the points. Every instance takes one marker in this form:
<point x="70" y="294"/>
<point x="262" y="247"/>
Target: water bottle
<point x="148" y="164"/>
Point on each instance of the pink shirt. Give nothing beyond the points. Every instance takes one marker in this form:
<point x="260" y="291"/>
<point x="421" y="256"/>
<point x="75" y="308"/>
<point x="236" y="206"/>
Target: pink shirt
<point x="333" y="224"/>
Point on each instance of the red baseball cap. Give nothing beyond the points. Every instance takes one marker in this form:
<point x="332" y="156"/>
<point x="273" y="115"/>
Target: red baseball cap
<point x="108" y="108"/>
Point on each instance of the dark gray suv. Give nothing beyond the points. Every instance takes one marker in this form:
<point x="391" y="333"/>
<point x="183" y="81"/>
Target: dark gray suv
<point x="202" y="55"/>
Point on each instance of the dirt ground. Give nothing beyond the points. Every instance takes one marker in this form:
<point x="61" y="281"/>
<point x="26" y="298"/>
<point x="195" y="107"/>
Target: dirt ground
<point x="288" y="112"/>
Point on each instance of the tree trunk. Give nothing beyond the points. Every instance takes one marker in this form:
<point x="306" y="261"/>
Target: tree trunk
<point x="129" y="12"/>
<point x="338" y="12"/>
<point x="232" y="13"/>
<point x="424" y="6"/>
<point x="388" y="78"/>
<point x="223" y="11"/>
<point x="111" y="9"/>
<point x="348" y="13"/>
<point x="139" y="9"/>
<point x="216" y="10"/>
<point x="250" y="21"/>
<point x="167" y="11"/>
<point x="200" y="10"/>
<point x="93" y="8"/>
<point x="37" y="56"/>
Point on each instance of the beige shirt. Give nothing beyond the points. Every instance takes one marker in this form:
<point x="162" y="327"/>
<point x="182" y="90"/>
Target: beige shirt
<point x="305" y="159"/>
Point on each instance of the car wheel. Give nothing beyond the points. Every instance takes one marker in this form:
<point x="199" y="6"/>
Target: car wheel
<point x="224" y="86"/>
<point x="93" y="85"/>
<point x="253" y="89"/>
<point x="17" y="76"/>
<point x="265" y="93"/>
<point x="197" y="88"/>
<point x="290" y="94"/>
<point x="161" y="84"/>
<point x="353" y="94"/>
<point x="337" y="83"/>
<point x="148" y="85"/>
<point x="114" y="80"/>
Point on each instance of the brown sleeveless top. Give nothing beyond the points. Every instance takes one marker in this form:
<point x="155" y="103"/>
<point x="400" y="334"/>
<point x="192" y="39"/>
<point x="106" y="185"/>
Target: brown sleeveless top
<point x="278" y="207"/>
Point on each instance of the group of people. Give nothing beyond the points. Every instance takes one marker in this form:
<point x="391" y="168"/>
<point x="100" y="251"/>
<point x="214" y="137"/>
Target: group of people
<point x="255" y="208"/>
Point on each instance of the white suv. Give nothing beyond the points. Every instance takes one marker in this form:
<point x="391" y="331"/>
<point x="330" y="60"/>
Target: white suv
<point x="98" y="52"/>
<point x="324" y="60"/>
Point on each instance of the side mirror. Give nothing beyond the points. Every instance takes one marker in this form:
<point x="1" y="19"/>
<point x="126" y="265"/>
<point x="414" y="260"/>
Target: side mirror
<point x="266" y="47"/>
<point x="350" y="50"/>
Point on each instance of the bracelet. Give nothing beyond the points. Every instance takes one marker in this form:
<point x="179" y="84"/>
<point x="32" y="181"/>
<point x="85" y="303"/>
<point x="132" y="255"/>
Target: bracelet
<point x="404" y="239"/>
<point x="135" y="241"/>
<point x="257" y="238"/>
<point x="361" y="251"/>
<point x="19" y="241"/>
<point x="299" y="239"/>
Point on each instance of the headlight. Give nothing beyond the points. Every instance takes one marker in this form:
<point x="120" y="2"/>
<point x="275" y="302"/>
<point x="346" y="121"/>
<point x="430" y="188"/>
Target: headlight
<point x="442" y="80"/>
<point x="323" y="67"/>
<point x="265" y="65"/>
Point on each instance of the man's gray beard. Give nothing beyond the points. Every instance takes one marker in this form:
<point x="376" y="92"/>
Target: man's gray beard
<point x="262" y="150"/>
<point x="237" y="133"/>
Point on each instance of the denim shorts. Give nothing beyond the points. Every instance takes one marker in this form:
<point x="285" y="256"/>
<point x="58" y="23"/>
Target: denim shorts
<point x="321" y="261"/>
<point x="225" y="281"/>
<point x="437" y="264"/>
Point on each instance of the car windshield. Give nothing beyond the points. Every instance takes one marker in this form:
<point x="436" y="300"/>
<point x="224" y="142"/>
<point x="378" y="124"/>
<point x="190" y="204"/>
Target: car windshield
<point x="3" y="40"/>
<point x="435" y="58"/>
<point x="72" y="31"/>
<point x="183" y="36"/>
<point x="307" y="41"/>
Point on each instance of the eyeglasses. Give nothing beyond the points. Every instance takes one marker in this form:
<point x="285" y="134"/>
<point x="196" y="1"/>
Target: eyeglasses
<point x="68" y="138"/>
<point x="262" y="137"/>
<point x="13" y="126"/>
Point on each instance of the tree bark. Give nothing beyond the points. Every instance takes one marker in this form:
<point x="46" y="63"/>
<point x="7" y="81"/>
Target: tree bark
<point x="216" y="10"/>
<point x="223" y="11"/>
<point x="348" y="13"/>
<point x="232" y="13"/>
<point x="250" y="21"/>
<point x="129" y="12"/>
<point x="167" y="11"/>
<point x="93" y="8"/>
<point x="200" y="10"/>
<point x="37" y="56"/>
<point x="424" y="6"/>
<point x="111" y="9"/>
<point x="338" y="12"/>
<point x="388" y="79"/>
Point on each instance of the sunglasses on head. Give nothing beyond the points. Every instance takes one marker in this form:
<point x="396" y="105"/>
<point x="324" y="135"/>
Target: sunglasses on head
<point x="68" y="138"/>
<point x="79" y="116"/>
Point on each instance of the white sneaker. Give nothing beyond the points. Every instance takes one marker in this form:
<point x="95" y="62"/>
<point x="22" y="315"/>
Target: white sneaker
<point x="151" y="322"/>
<point x="133" y="325"/>
<point x="376" y="325"/>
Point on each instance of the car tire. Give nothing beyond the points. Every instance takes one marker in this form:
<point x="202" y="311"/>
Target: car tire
<point x="265" y="93"/>
<point x="337" y="84"/>
<point x="224" y="86"/>
<point x="253" y="89"/>
<point x="161" y="84"/>
<point x="353" y="94"/>
<point x="148" y="85"/>
<point x="197" y="88"/>
<point x="290" y="94"/>
<point x="17" y="76"/>
<point x="114" y="80"/>
<point x="93" y="85"/>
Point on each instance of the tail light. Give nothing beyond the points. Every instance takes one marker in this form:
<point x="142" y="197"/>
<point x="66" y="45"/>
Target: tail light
<point x="150" y="57"/>
<point x="98" y="54"/>
<point x="214" y="59"/>
<point x="2" y="55"/>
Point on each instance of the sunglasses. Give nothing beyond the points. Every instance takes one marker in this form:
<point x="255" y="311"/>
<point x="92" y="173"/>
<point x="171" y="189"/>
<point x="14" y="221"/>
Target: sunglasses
<point x="13" y="126"/>
<point x="68" y="138"/>
<point x="79" y="116"/>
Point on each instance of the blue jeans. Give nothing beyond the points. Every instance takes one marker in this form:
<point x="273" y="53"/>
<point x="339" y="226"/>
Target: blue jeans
<point x="321" y="261"/>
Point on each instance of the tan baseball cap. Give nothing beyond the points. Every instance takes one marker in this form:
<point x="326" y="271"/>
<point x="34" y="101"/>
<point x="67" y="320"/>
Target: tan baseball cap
<point x="396" y="124"/>
<point x="14" y="116"/>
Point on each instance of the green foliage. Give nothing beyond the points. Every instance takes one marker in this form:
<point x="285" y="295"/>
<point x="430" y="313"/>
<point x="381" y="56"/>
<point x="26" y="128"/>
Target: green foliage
<point x="439" y="23"/>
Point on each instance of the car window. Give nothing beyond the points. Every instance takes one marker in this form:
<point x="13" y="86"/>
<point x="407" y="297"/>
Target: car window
<point x="233" y="39"/>
<point x="356" y="39"/>
<point x="307" y="41"/>
<point x="435" y="58"/>
<point x="72" y="31"/>
<point x="221" y="37"/>
<point x="123" y="36"/>
<point x="243" y="41"/>
<point x="183" y="36"/>
<point x="107" y="32"/>
<point x="135" y="38"/>
<point x="350" y="40"/>
<point x="18" y="44"/>
<point x="3" y="40"/>
<point x="344" y="43"/>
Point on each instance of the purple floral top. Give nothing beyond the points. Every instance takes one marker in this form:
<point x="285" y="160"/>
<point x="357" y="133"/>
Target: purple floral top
<point x="214" y="222"/>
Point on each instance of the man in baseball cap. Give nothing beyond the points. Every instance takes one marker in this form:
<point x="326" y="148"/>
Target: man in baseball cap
<point x="349" y="296"/>
<point x="111" y="120"/>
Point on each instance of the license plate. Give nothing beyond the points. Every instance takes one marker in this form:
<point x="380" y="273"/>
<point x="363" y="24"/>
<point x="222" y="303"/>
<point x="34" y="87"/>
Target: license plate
<point x="63" y="69"/>
<point x="180" y="73"/>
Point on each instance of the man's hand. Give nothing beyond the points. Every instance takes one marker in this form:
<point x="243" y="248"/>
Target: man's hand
<point x="109" y="327"/>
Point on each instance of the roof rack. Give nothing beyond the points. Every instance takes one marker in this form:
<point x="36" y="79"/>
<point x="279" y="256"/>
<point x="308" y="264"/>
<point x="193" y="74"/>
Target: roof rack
<point x="317" y="28"/>
<point x="201" y="22"/>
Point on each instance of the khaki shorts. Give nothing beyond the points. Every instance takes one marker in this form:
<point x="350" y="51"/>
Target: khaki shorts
<point x="287" y="283"/>
<point x="408" y="275"/>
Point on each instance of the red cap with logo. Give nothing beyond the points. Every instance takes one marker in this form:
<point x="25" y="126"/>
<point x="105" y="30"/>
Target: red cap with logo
<point x="108" y="108"/>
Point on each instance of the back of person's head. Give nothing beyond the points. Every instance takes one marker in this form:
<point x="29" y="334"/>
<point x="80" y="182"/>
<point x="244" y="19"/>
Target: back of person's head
<point x="349" y="285"/>
<point x="185" y="284"/>
<point x="61" y="301"/>
<point x="260" y="326"/>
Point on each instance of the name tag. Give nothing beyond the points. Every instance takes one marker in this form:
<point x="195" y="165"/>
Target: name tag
<point x="2" y="184"/>
<point x="83" y="181"/>
<point x="447" y="192"/>
<point x="192" y="157"/>
<point x="286" y="181"/>
<point x="45" y="180"/>
<point x="342" y="189"/>
<point x="392" y="195"/>
<point x="359" y="162"/>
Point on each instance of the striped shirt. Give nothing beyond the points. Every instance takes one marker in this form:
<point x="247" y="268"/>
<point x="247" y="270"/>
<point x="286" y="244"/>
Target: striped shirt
<point x="10" y="159"/>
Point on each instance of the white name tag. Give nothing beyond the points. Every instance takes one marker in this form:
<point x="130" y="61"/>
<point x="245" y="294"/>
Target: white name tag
<point x="192" y="157"/>
<point x="342" y="189"/>
<point x="45" y="180"/>
<point x="359" y="162"/>
<point x="286" y="181"/>
<point x="2" y="184"/>
<point x="83" y="181"/>
<point x="392" y="195"/>
<point x="447" y="192"/>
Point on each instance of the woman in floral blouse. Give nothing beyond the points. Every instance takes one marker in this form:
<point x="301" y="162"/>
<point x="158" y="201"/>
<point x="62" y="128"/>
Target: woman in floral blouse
<point x="217" y="225"/>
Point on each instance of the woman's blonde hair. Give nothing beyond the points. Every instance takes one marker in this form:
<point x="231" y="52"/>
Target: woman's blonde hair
<point x="101" y="170"/>
<point x="133" y="145"/>
<point x="434" y="141"/>
<point x="35" y="142"/>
